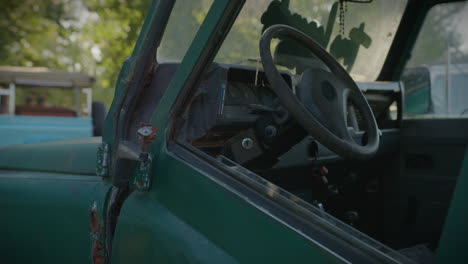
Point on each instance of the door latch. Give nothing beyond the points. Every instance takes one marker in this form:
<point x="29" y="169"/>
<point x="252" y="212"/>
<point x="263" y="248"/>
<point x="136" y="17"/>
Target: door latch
<point x="140" y="153"/>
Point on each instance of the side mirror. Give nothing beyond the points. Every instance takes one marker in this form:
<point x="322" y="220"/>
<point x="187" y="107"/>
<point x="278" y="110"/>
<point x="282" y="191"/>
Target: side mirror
<point x="417" y="83"/>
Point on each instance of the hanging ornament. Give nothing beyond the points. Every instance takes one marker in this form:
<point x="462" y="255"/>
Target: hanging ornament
<point x="343" y="9"/>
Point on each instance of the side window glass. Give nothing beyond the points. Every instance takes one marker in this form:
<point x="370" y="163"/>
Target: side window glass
<point x="184" y="22"/>
<point x="436" y="76"/>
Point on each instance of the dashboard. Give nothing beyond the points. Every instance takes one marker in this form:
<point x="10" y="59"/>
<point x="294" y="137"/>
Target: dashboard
<point x="246" y="95"/>
<point x="236" y="102"/>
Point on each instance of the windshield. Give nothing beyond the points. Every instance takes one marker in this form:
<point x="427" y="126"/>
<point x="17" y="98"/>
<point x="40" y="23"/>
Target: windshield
<point x="358" y="35"/>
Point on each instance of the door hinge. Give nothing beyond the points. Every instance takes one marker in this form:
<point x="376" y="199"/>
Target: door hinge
<point x="103" y="157"/>
<point x="140" y="153"/>
<point x="142" y="180"/>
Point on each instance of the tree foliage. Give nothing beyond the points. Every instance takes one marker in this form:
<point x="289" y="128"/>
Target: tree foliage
<point x="92" y="36"/>
<point x="442" y="30"/>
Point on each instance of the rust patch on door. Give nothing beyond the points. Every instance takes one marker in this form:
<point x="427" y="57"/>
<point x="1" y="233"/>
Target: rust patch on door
<point x="96" y="230"/>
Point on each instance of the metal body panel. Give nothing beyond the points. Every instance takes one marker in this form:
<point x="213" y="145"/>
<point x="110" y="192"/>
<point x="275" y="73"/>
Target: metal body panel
<point x="76" y="156"/>
<point x="30" y="129"/>
<point x="189" y="218"/>
<point x="45" y="216"/>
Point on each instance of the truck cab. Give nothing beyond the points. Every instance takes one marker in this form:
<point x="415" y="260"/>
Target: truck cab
<point x="257" y="132"/>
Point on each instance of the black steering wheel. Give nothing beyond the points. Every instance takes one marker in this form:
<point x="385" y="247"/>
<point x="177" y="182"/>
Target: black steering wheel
<point x="328" y="94"/>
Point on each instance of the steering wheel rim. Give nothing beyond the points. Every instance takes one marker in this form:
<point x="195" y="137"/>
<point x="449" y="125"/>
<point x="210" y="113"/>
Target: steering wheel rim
<point x="345" y="89"/>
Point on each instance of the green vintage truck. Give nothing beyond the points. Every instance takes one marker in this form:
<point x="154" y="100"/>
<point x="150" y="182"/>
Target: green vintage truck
<point x="256" y="132"/>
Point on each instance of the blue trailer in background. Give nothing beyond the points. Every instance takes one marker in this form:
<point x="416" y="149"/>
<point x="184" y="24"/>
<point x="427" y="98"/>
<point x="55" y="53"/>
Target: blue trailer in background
<point x="28" y="129"/>
<point x="34" y="120"/>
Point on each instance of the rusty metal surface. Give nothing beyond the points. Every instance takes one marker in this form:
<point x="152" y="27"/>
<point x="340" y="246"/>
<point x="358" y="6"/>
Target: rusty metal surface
<point x="96" y="230"/>
<point x="46" y="216"/>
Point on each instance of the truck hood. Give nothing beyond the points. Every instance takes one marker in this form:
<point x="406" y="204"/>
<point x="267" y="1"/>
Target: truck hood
<point x="76" y="156"/>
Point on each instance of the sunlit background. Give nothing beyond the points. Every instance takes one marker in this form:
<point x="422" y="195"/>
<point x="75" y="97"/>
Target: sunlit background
<point x="95" y="37"/>
<point x="91" y="36"/>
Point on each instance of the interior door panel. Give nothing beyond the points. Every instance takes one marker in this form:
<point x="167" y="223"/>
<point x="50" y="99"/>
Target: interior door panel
<point x="431" y="154"/>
